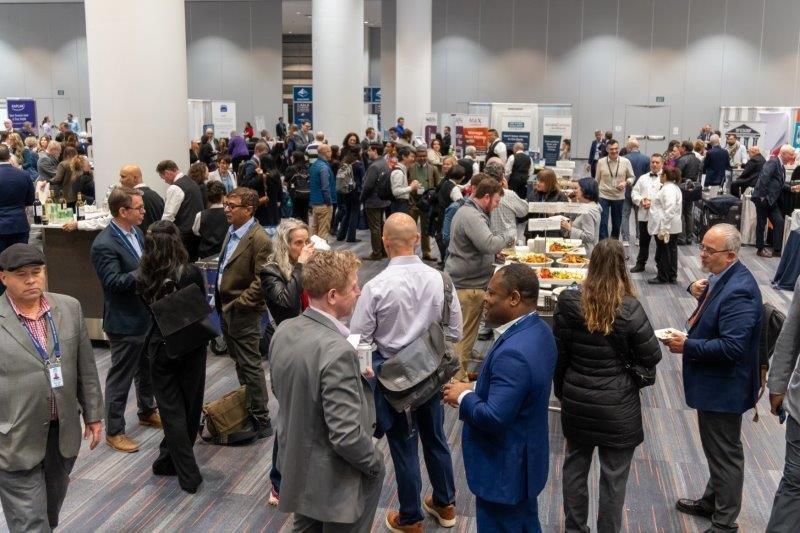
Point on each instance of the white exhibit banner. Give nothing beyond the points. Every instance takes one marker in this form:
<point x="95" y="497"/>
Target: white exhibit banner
<point x="196" y="119"/>
<point x="223" y="116"/>
<point x="561" y="126"/>
<point x="506" y="120"/>
<point x="260" y="124"/>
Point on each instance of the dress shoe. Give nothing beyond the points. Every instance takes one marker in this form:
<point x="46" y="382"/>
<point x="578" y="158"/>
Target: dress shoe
<point x="445" y="515"/>
<point x="637" y="268"/>
<point x="192" y="489"/>
<point x="372" y="257"/>
<point x="163" y="466"/>
<point x="264" y="429"/>
<point x="393" y="523"/>
<point x="764" y="253"/>
<point x="122" y="443"/>
<point x="152" y="420"/>
<point x="353" y="240"/>
<point x="656" y="281"/>
<point x="428" y="257"/>
<point x="694" y="507"/>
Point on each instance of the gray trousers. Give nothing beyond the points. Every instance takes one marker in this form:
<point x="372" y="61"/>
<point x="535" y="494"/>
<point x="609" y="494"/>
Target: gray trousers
<point x="242" y="332"/>
<point x="615" y="464"/>
<point x="721" y="436"/>
<point x="128" y="365"/>
<point x="785" y="515"/>
<point x="32" y="498"/>
<point x="372" y="493"/>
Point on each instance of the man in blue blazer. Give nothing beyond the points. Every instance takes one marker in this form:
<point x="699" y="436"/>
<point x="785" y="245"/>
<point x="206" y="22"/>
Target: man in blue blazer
<point x="17" y="193"/>
<point x="115" y="255"/>
<point x="595" y="149"/>
<point x="716" y="163"/>
<point x="721" y="370"/>
<point x="505" y="435"/>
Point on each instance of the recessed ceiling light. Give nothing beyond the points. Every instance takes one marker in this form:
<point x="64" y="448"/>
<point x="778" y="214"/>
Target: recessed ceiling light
<point x="366" y="22"/>
<point x="299" y="13"/>
<point x="308" y="16"/>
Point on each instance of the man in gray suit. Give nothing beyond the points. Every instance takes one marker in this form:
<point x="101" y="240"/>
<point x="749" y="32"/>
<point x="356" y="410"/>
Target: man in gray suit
<point x="331" y="468"/>
<point x="784" y="395"/>
<point x="47" y="379"/>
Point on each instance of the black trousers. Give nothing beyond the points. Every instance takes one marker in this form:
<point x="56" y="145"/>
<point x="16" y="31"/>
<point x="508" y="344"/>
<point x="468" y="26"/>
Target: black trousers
<point x="644" y="244"/>
<point x="375" y="221"/>
<point x="774" y="214"/>
<point x="721" y="437"/>
<point x="688" y="221"/>
<point x="178" y="385"/>
<point x="667" y="258"/>
<point x="192" y="244"/>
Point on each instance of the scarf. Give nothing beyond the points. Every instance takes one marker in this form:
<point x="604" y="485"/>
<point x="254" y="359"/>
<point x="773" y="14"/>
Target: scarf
<point x="732" y="149"/>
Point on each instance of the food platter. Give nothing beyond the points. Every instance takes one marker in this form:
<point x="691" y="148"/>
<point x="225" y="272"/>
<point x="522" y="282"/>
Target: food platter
<point x="560" y="276"/>
<point x="572" y="260"/>
<point x="558" y="247"/>
<point x="523" y="255"/>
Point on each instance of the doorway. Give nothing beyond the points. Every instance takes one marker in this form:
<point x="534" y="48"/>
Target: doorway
<point x="650" y="125"/>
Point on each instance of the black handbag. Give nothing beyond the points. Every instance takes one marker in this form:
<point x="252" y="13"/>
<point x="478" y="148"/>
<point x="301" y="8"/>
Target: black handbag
<point x="183" y="317"/>
<point x="642" y="375"/>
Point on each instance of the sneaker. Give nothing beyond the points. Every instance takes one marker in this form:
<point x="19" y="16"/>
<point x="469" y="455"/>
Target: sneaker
<point x="446" y="516"/>
<point x="393" y="524"/>
<point x="274" y="498"/>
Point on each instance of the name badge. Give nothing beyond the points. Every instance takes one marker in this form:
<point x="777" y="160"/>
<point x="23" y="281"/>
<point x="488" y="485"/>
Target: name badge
<point x="56" y="378"/>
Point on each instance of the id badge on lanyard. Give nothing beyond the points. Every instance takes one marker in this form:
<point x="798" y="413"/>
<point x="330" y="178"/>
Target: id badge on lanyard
<point x="53" y="367"/>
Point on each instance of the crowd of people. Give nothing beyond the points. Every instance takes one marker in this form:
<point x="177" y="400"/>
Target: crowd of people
<point x="266" y="218"/>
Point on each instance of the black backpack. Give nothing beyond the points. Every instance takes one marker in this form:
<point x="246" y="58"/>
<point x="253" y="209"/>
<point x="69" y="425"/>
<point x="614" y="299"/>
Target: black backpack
<point x="383" y="185"/>
<point x="300" y="186"/>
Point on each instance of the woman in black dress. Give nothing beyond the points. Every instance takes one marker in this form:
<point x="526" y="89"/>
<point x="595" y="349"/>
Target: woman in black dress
<point x="178" y="383"/>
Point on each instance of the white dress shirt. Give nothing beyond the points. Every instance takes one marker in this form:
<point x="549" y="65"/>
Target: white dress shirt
<point x="400" y="303"/>
<point x="647" y="186"/>
<point x="665" y="211"/>
<point x="196" y="223"/>
<point x="500" y="151"/>
<point x="336" y="322"/>
<point x="173" y="200"/>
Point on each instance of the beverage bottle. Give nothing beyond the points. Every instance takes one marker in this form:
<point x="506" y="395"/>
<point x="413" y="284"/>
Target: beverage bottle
<point x="80" y="208"/>
<point x="37" y="210"/>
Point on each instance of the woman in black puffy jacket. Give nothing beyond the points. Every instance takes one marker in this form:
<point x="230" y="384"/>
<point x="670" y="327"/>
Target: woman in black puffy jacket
<point x="598" y="328"/>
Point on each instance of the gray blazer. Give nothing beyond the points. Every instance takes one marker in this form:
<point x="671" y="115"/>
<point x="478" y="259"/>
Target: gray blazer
<point x="586" y="227"/>
<point x="326" y="453"/>
<point x="25" y="386"/>
<point x="784" y="371"/>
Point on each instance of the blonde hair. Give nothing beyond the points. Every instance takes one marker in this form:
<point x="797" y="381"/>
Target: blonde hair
<point x="281" y="242"/>
<point x="606" y="284"/>
<point x="19" y="146"/>
<point x="328" y="270"/>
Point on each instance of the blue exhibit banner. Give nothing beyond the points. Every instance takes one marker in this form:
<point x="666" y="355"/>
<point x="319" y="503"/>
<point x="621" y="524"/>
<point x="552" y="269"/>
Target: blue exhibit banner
<point x="550" y="147"/>
<point x="375" y="95"/>
<point x="22" y="111"/>
<point x="367" y="93"/>
<point x="510" y="138"/>
<point x="303" y="104"/>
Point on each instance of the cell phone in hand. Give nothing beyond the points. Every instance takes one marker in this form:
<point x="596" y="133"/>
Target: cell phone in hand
<point x="781" y="415"/>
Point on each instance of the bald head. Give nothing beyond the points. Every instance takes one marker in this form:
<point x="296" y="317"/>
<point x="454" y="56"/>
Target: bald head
<point x="518" y="147"/>
<point x="130" y="176"/>
<point x="324" y="151"/>
<point x="400" y="235"/>
<point x="786" y="153"/>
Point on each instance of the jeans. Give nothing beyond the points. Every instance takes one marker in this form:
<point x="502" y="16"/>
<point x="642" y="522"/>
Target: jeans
<point x="615" y="208"/>
<point x="351" y="208"/>
<point x="627" y="208"/>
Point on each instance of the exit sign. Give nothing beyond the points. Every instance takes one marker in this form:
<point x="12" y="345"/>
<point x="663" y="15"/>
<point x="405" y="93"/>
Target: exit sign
<point x="659" y="99"/>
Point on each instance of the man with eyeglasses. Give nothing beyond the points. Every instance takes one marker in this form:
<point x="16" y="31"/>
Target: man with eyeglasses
<point x="240" y="302"/>
<point x="115" y="254"/>
<point x="721" y="370"/>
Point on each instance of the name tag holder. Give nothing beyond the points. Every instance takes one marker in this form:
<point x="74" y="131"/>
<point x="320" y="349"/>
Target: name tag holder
<point x="53" y="367"/>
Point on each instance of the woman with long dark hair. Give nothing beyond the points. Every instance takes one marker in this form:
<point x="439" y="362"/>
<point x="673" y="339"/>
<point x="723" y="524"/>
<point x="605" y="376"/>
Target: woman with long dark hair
<point x="602" y="334"/>
<point x="178" y="383"/>
<point x="269" y="213"/>
<point x="297" y="183"/>
<point x="349" y="205"/>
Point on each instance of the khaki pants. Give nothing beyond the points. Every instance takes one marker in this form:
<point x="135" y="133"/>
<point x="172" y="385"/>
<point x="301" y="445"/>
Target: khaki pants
<point x="421" y="216"/>
<point x="471" y="301"/>
<point x="321" y="223"/>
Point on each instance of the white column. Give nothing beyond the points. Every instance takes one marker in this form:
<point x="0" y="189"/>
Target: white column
<point x="413" y="53"/>
<point x="337" y="48"/>
<point x="137" y="86"/>
<point x="388" y="66"/>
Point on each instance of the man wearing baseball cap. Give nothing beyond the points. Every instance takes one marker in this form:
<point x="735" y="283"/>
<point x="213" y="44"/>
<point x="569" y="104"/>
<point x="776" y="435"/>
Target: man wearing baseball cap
<point x="49" y="377"/>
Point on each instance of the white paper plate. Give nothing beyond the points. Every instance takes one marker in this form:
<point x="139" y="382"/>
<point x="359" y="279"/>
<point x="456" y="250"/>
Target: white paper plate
<point x="664" y="334"/>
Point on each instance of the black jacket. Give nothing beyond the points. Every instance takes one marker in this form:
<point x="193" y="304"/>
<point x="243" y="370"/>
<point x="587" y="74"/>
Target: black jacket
<point x="599" y="399"/>
<point x="751" y="171"/>
<point x="282" y="295"/>
<point x="690" y="167"/>
<point x="771" y="182"/>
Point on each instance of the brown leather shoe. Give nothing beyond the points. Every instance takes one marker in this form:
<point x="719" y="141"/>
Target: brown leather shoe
<point x="122" y="443"/>
<point x="393" y="523"/>
<point x="446" y="516"/>
<point x="764" y="253"/>
<point x="153" y="420"/>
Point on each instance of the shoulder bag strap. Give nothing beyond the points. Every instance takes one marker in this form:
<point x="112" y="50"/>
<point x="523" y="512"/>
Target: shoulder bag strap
<point x="448" y="298"/>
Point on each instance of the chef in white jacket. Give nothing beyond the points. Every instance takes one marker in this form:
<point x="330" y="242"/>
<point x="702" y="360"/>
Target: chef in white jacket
<point x="643" y="193"/>
<point x="665" y="224"/>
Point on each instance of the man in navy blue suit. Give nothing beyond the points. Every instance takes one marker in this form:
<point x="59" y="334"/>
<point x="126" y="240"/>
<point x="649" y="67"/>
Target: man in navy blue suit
<point x="17" y="193"/>
<point x="721" y="371"/>
<point x="505" y="437"/>
<point x="641" y="166"/>
<point x="115" y="254"/>
<point x="595" y="150"/>
<point x="716" y="163"/>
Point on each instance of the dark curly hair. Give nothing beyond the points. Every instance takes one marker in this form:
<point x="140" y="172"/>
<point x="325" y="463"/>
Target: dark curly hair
<point x="164" y="258"/>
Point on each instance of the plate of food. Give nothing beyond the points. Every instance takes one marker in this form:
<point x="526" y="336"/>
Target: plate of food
<point x="666" y="333"/>
<point x="558" y="249"/>
<point x="533" y="259"/>
<point x="571" y="260"/>
<point x="560" y="276"/>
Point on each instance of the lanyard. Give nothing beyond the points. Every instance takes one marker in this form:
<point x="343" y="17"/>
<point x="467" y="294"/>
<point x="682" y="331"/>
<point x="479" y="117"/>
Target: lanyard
<point x="41" y="349"/>
<point x="616" y="172"/>
<point x="125" y="240"/>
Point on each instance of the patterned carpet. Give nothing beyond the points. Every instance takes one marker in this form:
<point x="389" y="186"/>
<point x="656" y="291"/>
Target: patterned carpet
<point x="116" y="492"/>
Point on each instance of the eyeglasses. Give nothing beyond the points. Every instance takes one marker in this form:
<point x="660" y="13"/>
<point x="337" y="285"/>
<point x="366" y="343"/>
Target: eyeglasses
<point x="140" y="208"/>
<point x="710" y="251"/>
<point x="230" y="206"/>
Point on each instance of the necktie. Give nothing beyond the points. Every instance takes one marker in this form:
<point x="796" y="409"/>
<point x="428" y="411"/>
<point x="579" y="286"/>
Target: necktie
<point x="653" y="175"/>
<point x="698" y="310"/>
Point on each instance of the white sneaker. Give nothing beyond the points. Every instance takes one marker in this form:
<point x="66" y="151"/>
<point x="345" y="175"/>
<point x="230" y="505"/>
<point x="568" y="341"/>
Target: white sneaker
<point x="625" y="243"/>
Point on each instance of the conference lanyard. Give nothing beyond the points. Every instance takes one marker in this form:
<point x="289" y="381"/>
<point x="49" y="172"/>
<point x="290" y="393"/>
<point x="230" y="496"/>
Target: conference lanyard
<point x="616" y="171"/>
<point x="53" y="369"/>
<point x="125" y="241"/>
